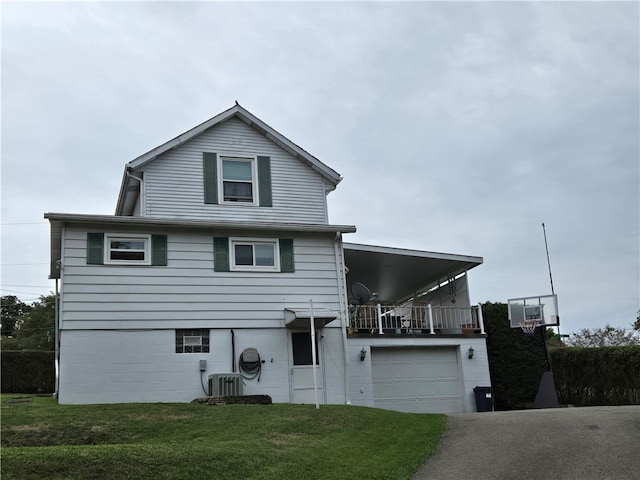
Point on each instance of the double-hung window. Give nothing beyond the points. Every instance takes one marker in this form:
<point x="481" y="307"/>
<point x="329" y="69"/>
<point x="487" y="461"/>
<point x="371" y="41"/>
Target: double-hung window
<point x="238" y="178"/>
<point x="248" y="254"/>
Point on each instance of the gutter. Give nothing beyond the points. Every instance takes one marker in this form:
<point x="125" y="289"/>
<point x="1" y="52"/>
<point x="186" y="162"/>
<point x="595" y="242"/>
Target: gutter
<point x="57" y="342"/>
<point x="163" y="222"/>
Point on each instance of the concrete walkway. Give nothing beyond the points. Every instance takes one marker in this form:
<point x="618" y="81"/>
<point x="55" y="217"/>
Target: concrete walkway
<point x="589" y="443"/>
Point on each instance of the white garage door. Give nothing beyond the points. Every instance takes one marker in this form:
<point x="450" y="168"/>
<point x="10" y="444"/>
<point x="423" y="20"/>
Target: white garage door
<point x="417" y="380"/>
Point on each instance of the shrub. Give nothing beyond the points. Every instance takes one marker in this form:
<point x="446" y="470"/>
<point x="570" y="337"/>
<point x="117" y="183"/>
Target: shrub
<point x="516" y="362"/>
<point x="28" y="372"/>
<point x="597" y="376"/>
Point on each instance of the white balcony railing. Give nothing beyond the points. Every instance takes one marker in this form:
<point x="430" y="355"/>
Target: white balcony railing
<point x="422" y="319"/>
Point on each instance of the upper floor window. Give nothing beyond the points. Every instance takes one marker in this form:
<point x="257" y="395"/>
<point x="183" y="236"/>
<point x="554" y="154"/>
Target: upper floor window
<point x="254" y="255"/>
<point x="128" y="249"/>
<point x="238" y="179"/>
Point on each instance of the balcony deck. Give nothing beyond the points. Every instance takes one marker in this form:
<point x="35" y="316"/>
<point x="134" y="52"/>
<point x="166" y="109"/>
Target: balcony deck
<point x="415" y="320"/>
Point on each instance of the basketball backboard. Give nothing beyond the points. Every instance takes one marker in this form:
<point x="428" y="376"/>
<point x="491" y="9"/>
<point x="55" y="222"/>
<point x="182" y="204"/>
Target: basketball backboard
<point x="543" y="309"/>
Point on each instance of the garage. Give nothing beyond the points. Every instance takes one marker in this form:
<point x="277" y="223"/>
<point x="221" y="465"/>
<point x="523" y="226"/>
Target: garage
<point x="416" y="380"/>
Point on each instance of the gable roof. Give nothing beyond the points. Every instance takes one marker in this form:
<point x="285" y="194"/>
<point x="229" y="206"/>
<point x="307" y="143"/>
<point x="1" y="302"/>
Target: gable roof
<point x="331" y="176"/>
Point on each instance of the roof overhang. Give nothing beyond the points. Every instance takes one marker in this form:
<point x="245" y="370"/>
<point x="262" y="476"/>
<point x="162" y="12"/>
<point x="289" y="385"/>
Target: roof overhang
<point x="59" y="220"/>
<point x="332" y="178"/>
<point x="397" y="274"/>
<point x="301" y="317"/>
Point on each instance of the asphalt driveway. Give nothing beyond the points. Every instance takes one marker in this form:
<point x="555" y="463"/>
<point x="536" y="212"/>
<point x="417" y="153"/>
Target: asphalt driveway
<point x="589" y="443"/>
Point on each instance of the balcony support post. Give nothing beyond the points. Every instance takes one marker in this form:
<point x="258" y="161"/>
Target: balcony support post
<point x="379" y="314"/>
<point x="430" y="317"/>
<point x="480" y="319"/>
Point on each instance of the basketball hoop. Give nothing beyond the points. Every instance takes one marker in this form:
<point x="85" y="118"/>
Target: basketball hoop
<point x="528" y="327"/>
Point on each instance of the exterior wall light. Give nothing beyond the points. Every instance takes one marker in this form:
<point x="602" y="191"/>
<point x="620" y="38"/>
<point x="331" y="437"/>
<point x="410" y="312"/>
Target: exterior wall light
<point x="471" y="352"/>
<point x="363" y="354"/>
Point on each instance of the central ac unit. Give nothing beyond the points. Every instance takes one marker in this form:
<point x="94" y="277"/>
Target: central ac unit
<point x="225" y="384"/>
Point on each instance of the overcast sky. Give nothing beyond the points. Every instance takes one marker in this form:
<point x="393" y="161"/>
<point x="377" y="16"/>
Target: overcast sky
<point x="458" y="127"/>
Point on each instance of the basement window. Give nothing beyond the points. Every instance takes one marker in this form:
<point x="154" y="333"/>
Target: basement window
<point x="192" y="341"/>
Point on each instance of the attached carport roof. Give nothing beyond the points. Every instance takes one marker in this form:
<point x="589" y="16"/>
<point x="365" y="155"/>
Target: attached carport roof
<point x="396" y="274"/>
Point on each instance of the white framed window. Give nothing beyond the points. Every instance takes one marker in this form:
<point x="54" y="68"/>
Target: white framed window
<point x="237" y="182"/>
<point x="127" y="249"/>
<point x="255" y="254"/>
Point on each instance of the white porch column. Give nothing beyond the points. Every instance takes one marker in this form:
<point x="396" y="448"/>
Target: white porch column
<point x="480" y="319"/>
<point x="430" y="317"/>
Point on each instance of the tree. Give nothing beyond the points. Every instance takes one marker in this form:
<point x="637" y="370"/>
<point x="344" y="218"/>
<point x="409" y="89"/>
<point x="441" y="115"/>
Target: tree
<point x="35" y="329"/>
<point x="636" y="325"/>
<point x="12" y="311"/>
<point x="553" y="339"/>
<point x="607" y="336"/>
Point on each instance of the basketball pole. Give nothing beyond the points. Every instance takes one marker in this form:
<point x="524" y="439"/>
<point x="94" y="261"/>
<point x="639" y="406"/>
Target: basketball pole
<point x="546" y="247"/>
<point x="547" y="397"/>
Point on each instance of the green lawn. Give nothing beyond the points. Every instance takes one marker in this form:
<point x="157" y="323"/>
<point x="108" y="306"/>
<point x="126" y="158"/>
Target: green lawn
<point x="41" y="439"/>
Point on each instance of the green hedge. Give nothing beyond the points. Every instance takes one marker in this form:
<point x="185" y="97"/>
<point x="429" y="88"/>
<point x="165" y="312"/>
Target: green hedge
<point x="516" y="362"/>
<point x="28" y="372"/>
<point x="597" y="376"/>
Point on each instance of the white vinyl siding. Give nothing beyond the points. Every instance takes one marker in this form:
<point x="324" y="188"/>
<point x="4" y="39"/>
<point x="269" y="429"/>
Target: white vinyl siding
<point x="188" y="293"/>
<point x="174" y="181"/>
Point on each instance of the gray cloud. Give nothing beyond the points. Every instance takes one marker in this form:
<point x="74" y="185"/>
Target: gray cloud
<point x="459" y="127"/>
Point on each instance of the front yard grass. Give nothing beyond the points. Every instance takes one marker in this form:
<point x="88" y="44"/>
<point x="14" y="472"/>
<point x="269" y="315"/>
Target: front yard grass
<point x="41" y="439"/>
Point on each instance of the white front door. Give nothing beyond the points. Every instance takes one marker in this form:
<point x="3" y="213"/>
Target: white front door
<point x="302" y="387"/>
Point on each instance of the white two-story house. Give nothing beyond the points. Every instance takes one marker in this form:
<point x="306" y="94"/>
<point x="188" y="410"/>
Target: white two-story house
<point x="219" y="259"/>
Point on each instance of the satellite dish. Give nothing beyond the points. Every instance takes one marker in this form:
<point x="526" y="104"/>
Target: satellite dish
<point x="361" y="293"/>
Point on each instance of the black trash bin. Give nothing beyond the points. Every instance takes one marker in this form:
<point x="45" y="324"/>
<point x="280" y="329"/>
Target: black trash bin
<point x="484" y="399"/>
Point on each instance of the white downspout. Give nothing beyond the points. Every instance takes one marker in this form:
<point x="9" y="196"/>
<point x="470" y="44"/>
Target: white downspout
<point x="314" y="354"/>
<point x="342" y="300"/>
<point x="143" y="203"/>
<point x="56" y="360"/>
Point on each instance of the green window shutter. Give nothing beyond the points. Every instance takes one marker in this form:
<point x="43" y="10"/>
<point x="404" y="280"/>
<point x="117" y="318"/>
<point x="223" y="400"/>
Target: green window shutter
<point x="95" y="248"/>
<point x="221" y="254"/>
<point x="159" y="250"/>
<point x="287" y="263"/>
<point x="264" y="181"/>
<point x="210" y="177"/>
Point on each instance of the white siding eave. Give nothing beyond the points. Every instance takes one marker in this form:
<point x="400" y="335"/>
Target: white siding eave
<point x="121" y="221"/>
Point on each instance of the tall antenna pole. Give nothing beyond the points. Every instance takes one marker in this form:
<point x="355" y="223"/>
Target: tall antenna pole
<point x="544" y="231"/>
